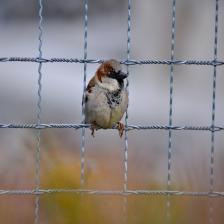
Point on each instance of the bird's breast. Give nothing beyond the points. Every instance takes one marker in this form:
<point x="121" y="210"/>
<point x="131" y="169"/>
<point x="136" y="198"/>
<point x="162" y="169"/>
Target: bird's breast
<point x="105" y="108"/>
<point x="114" y="99"/>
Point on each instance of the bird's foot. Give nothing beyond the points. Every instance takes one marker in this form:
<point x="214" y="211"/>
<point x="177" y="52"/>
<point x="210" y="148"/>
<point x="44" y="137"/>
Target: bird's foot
<point x="120" y="128"/>
<point x="93" y="127"/>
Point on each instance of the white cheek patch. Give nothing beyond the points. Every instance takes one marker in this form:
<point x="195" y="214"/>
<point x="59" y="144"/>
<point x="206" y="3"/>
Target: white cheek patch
<point x="109" y="84"/>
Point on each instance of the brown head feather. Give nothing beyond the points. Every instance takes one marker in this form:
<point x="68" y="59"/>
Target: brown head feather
<point x="105" y="68"/>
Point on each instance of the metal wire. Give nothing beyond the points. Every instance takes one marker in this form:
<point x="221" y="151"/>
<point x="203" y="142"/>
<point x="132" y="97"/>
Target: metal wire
<point x="171" y="94"/>
<point x="125" y="187"/>
<point x="213" y="101"/>
<point x="39" y="109"/>
<point x="212" y="153"/>
<point x="82" y="177"/>
<point x="168" y="203"/>
<point x="127" y="85"/>
<point x="126" y="62"/>
<point x="127" y="128"/>
<point x="165" y="193"/>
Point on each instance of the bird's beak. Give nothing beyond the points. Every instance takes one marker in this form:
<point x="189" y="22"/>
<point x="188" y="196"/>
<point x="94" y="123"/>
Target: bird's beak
<point x="122" y="75"/>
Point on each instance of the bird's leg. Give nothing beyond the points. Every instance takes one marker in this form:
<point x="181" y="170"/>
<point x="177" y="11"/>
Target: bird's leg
<point x="120" y="127"/>
<point x="93" y="128"/>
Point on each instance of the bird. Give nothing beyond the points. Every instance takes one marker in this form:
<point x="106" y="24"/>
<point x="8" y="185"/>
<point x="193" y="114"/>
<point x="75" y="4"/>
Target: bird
<point x="106" y="97"/>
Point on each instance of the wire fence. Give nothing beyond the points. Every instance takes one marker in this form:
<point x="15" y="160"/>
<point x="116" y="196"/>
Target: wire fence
<point x="213" y="128"/>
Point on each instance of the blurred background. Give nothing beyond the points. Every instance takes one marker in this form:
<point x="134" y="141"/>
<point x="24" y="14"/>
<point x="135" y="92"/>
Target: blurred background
<point x="149" y="104"/>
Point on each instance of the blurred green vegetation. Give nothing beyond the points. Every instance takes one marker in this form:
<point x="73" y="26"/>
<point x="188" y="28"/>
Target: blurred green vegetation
<point x="60" y="169"/>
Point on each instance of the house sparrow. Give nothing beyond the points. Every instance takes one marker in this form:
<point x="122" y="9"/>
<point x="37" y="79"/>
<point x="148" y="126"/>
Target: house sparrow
<point x="106" y="97"/>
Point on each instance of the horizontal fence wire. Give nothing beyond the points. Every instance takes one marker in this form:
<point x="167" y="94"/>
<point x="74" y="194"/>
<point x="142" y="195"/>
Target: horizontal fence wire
<point x="114" y="192"/>
<point x="125" y="62"/>
<point x="127" y="128"/>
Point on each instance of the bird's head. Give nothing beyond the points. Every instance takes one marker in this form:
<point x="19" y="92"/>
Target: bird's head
<point x="110" y="75"/>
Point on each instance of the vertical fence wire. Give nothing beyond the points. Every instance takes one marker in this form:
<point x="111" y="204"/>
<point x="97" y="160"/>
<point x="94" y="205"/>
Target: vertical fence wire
<point x="127" y="86"/>
<point x="212" y="152"/>
<point x="173" y="26"/>
<point x="125" y="187"/>
<point x="82" y="153"/>
<point x="39" y="111"/>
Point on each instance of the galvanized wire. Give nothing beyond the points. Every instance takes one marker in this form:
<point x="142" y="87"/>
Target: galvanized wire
<point x="125" y="187"/>
<point x="213" y="101"/>
<point x="127" y="128"/>
<point x="212" y="153"/>
<point x="165" y="193"/>
<point x="127" y="85"/>
<point x="168" y="203"/>
<point x="82" y="153"/>
<point x="39" y="110"/>
<point x="171" y="93"/>
<point x="126" y="62"/>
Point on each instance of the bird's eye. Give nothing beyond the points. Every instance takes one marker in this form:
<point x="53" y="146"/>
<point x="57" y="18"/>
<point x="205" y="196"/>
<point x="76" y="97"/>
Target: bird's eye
<point x="112" y="73"/>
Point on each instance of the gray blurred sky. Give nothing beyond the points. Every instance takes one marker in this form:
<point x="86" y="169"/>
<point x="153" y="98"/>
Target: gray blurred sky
<point x="67" y="9"/>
